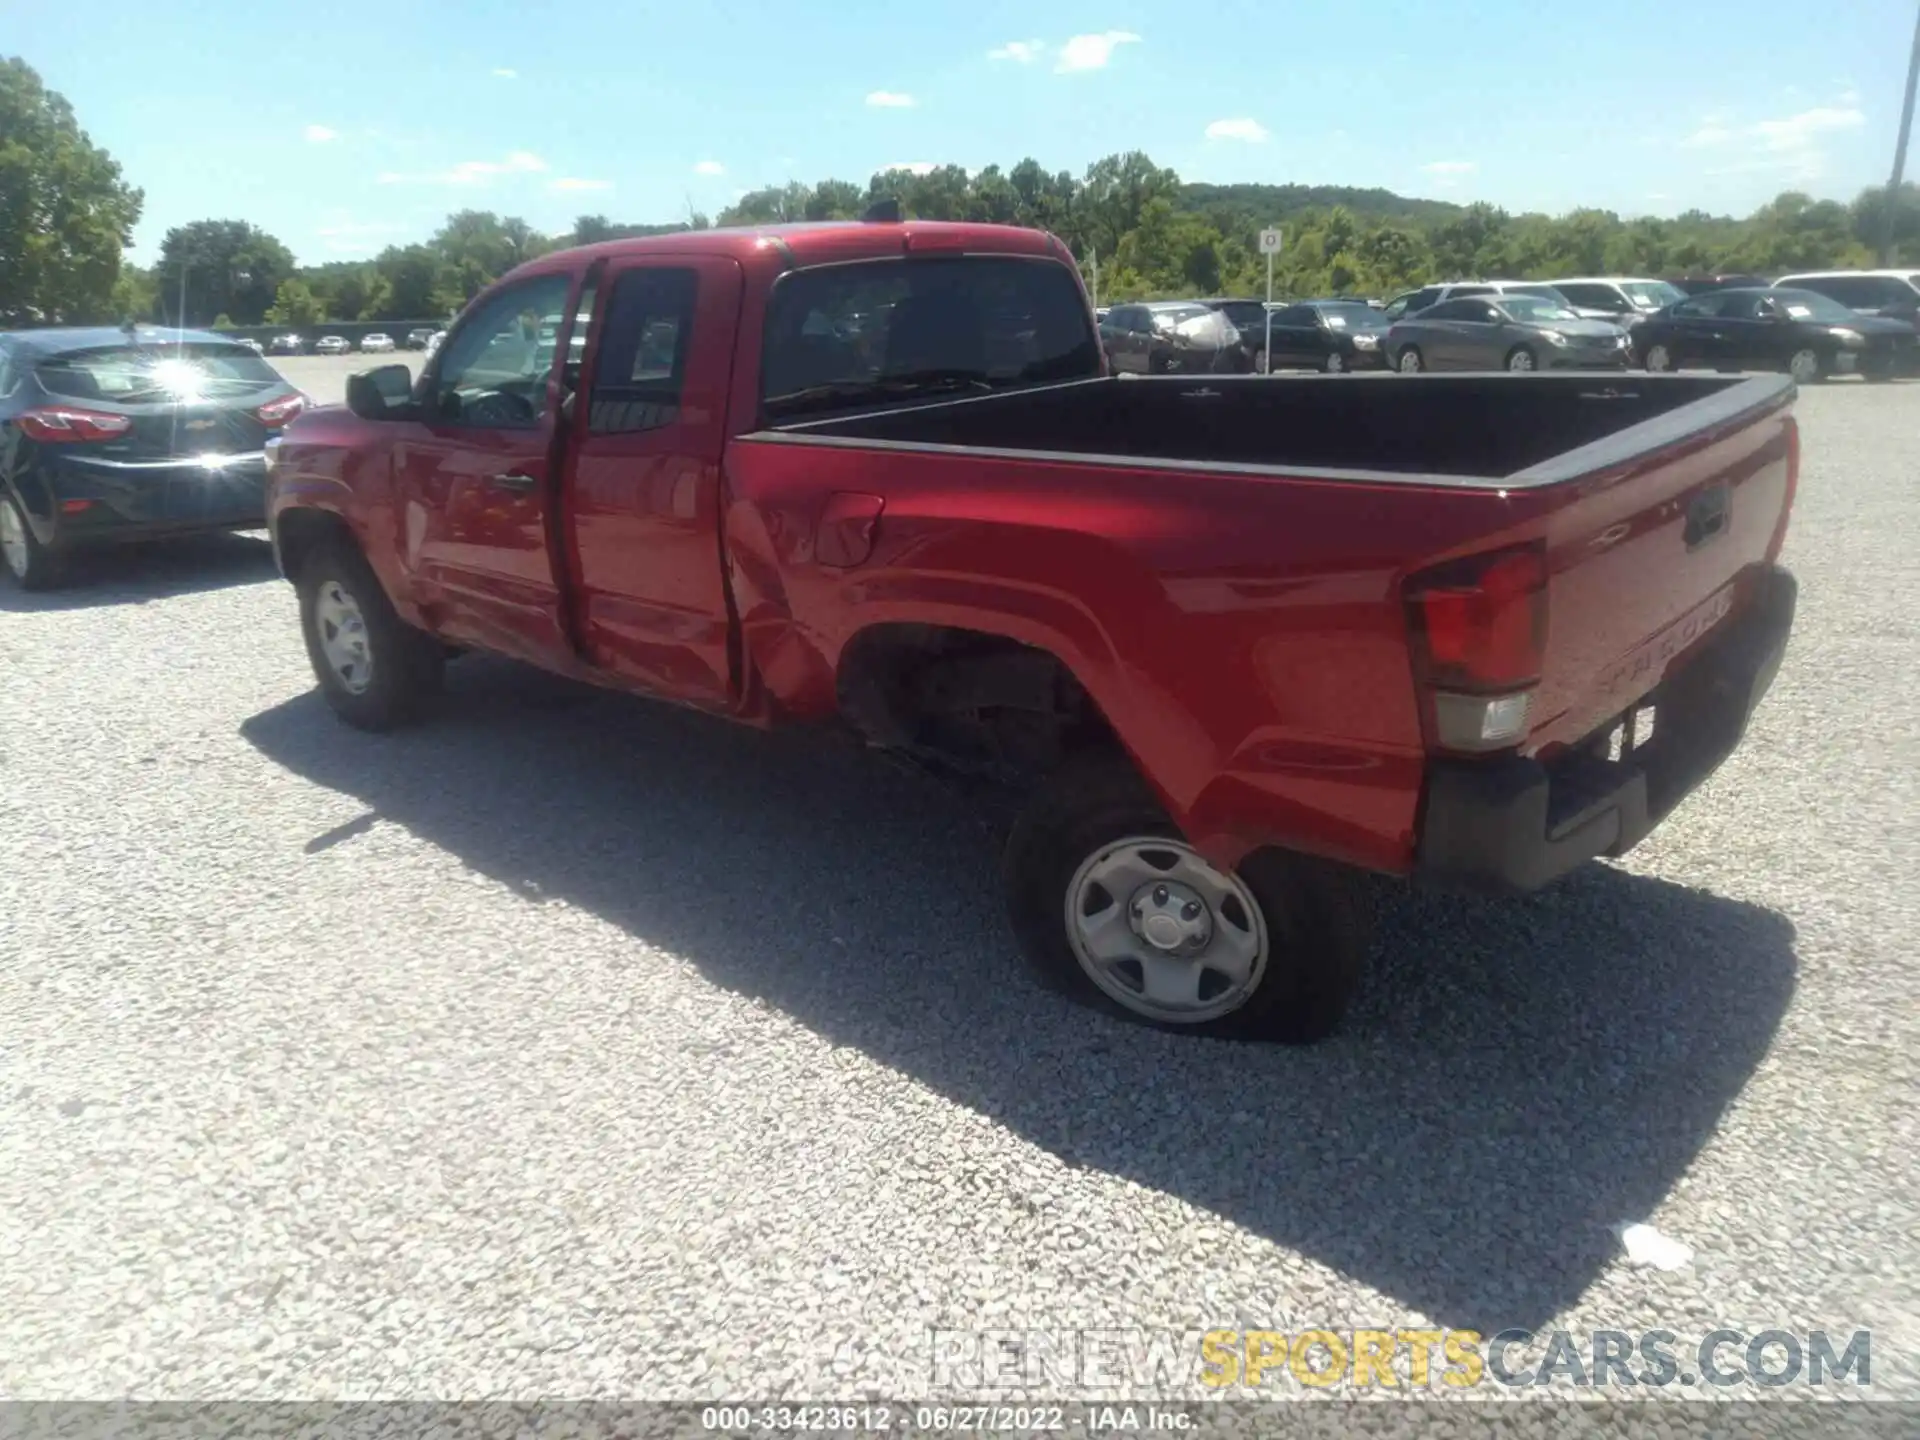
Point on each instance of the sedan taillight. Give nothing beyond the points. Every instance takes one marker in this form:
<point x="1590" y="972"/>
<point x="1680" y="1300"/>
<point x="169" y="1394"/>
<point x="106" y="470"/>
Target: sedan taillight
<point x="276" y="413"/>
<point x="66" y="425"/>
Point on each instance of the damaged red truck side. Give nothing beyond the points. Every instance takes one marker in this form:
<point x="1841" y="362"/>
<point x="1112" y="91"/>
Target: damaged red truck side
<point x="1237" y="639"/>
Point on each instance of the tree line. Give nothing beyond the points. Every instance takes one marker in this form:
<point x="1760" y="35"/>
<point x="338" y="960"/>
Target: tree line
<point x="1138" y="230"/>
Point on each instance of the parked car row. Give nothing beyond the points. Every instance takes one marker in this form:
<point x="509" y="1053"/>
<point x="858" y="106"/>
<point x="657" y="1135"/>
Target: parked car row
<point x="1810" y="325"/>
<point x="377" y="343"/>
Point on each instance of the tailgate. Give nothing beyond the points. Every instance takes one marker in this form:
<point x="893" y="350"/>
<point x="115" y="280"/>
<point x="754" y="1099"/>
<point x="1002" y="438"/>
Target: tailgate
<point x="1648" y="559"/>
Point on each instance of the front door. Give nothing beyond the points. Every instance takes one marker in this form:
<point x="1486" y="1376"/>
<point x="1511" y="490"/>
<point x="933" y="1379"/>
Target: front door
<point x="475" y="495"/>
<point x="642" y="490"/>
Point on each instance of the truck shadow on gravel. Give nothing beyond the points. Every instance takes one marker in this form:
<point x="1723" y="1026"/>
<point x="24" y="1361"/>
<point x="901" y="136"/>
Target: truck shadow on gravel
<point x="137" y="573"/>
<point x="1518" y="1078"/>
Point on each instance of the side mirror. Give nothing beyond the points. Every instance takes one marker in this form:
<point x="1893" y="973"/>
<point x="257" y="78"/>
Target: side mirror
<point x="383" y="393"/>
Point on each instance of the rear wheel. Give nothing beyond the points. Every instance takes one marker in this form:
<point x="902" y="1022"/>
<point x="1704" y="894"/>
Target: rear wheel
<point x="375" y="670"/>
<point x="1112" y="906"/>
<point x="1521" y="360"/>
<point x="1805" y="367"/>
<point x="1410" y="361"/>
<point x="32" y="565"/>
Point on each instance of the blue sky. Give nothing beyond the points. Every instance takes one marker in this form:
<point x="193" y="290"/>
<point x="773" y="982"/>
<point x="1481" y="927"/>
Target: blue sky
<point x="342" y="137"/>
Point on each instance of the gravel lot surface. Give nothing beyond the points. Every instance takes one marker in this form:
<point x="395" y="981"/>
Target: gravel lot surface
<point x="569" y="1046"/>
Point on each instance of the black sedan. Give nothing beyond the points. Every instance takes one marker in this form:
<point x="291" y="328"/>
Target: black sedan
<point x="1330" y="335"/>
<point x="1166" y="337"/>
<point x="1807" y="335"/>
<point x="110" y="435"/>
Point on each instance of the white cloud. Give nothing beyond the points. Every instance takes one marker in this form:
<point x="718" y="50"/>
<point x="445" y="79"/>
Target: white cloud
<point x="1092" y="52"/>
<point x="1451" y="167"/>
<point x="574" y="182"/>
<point x="320" y="134"/>
<point x="710" y="167"/>
<point x="506" y="72"/>
<point x="890" y="100"/>
<point x="1251" y="131"/>
<point x="472" y="172"/>
<point x="1792" y="144"/>
<point x="1020" y="52"/>
<point x="916" y="167"/>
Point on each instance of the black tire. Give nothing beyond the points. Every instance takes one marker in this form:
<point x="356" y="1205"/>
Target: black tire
<point x="1532" y="367"/>
<point x="41" y="568"/>
<point x="406" y="665"/>
<point x="1315" y="913"/>
<point x="1413" y="352"/>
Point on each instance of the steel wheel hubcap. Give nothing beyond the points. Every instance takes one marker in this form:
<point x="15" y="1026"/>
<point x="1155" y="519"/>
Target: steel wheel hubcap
<point x="1409" y="362"/>
<point x="1657" y="358"/>
<point x="1335" y="364"/>
<point x="343" y="636"/>
<point x="1804" y="365"/>
<point x="13" y="537"/>
<point x="1164" y="933"/>
<point x="1521" y="361"/>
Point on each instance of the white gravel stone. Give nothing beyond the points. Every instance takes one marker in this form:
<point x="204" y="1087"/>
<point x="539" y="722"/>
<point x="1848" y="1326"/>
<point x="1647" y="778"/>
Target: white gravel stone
<point x="572" y="1047"/>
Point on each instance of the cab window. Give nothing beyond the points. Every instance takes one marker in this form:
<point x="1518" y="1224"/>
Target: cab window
<point x="493" y="373"/>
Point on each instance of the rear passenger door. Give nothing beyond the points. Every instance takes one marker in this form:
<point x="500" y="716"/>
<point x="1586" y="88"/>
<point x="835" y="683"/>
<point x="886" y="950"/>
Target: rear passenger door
<point x="642" y="492"/>
<point x="1296" y="337"/>
<point x="1690" y="330"/>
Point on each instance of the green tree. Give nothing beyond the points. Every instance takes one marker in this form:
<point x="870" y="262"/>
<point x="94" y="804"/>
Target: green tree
<point x="220" y="265"/>
<point x="65" y="213"/>
<point x="414" y="290"/>
<point x="295" y="304"/>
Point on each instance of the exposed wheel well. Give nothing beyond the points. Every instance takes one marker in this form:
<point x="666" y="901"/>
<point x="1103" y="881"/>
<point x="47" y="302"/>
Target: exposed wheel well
<point x="300" y="532"/>
<point x="983" y="703"/>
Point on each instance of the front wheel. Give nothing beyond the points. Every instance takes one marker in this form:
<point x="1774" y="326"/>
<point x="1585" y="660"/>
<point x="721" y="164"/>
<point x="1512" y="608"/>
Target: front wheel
<point x="1520" y="360"/>
<point x="1335" y="363"/>
<point x="1659" y="359"/>
<point x="1111" y="905"/>
<point x="32" y="565"/>
<point x="1805" y="366"/>
<point x="374" y="669"/>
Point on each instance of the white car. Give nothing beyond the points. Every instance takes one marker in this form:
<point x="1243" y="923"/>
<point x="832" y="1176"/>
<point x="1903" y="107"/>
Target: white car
<point x="377" y="344"/>
<point x="331" y="345"/>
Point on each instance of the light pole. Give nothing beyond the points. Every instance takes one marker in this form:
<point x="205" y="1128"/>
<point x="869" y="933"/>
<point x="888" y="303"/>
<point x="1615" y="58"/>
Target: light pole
<point x="1892" y="207"/>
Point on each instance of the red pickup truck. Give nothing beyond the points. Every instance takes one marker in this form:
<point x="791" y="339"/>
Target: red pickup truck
<point x="1238" y="639"/>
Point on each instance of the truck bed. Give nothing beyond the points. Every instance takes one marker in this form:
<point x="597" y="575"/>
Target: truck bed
<point x="1507" y="431"/>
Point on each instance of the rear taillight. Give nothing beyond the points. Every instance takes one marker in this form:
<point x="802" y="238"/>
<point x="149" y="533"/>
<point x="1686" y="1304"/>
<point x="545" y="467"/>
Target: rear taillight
<point x="276" y="413"/>
<point x="1479" y="631"/>
<point x="65" y="425"/>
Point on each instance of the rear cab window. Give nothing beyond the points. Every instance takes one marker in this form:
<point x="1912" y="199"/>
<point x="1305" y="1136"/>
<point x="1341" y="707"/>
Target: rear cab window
<point x="872" y="332"/>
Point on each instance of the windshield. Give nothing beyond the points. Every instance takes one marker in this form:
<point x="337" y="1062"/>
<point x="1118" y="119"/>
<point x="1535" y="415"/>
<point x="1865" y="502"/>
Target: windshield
<point x="1536" y="310"/>
<point x="1651" y="294"/>
<point x="876" y="330"/>
<point x="1806" y="305"/>
<point x="142" y="374"/>
<point x="1353" y="317"/>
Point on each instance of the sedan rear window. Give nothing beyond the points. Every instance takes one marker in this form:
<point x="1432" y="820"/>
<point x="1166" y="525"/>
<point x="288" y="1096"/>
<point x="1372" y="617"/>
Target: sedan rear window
<point x="876" y="330"/>
<point x="138" y="374"/>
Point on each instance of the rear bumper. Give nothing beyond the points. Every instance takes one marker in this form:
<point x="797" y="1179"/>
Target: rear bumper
<point x="1514" y="824"/>
<point x="80" y="500"/>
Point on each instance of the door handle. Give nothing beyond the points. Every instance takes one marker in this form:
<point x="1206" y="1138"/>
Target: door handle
<point x="513" y="480"/>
